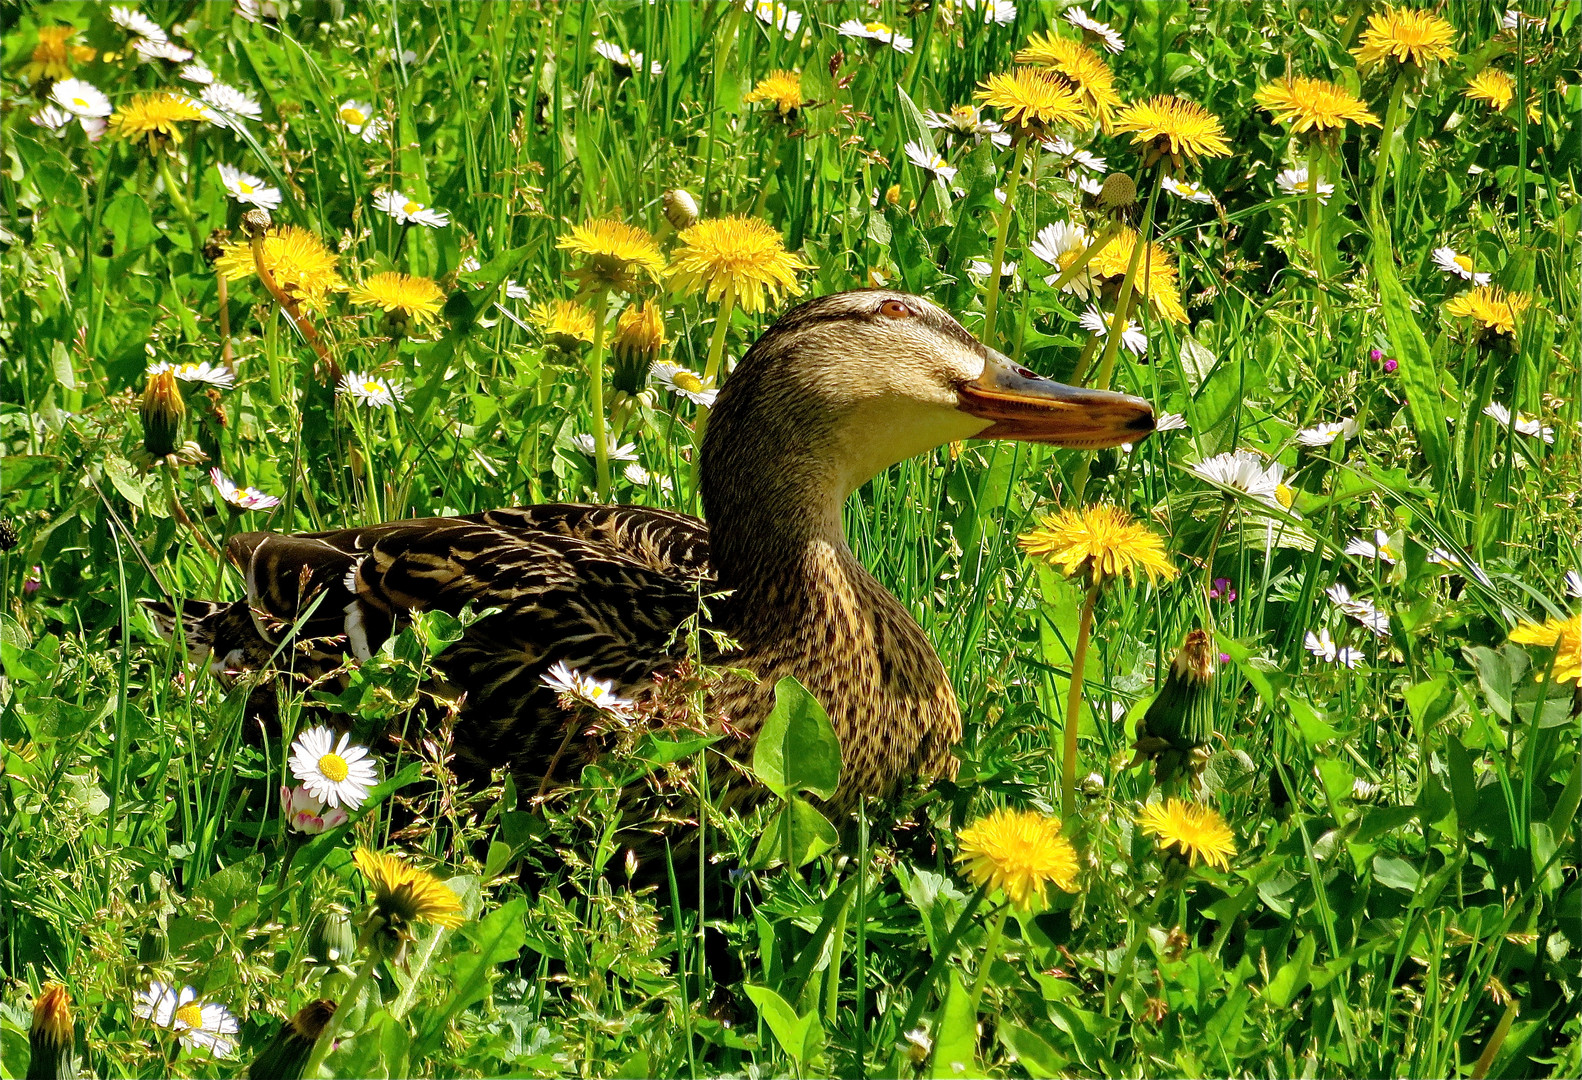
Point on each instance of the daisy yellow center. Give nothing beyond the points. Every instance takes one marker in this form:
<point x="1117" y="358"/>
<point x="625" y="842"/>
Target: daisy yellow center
<point x="1069" y="257"/>
<point x="368" y="388"/>
<point x="876" y="28"/>
<point x="353" y="117"/>
<point x="1464" y="262"/>
<point x="1286" y="496"/>
<point x="244" y="187"/>
<point x="333" y="766"/>
<point x="964" y="114"/>
<point x="411" y="207"/>
<point x="190" y="1014"/>
<point x="79" y="102"/>
<point x="687" y="381"/>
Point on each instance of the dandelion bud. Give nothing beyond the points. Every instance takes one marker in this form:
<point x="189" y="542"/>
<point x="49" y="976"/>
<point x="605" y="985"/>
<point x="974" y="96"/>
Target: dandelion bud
<point x="681" y="209"/>
<point x="256" y="221"/>
<point x="333" y="940"/>
<point x="1118" y="192"/>
<point x="162" y="411"/>
<point x="50" y="1038"/>
<point x="892" y="195"/>
<point x="639" y="335"/>
<point x="1181" y="719"/>
<point x="287" y="1054"/>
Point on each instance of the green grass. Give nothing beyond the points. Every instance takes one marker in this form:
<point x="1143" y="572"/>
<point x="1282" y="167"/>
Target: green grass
<point x="1405" y="830"/>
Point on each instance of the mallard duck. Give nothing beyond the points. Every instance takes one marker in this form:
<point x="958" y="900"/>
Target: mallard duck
<point x="839" y="389"/>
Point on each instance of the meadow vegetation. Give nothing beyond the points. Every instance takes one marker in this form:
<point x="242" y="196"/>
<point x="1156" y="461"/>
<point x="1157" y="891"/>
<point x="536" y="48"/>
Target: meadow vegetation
<point x="1270" y="762"/>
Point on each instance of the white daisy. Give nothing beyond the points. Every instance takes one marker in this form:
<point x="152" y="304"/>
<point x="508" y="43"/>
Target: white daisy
<point x="246" y="498"/>
<point x="1323" y="646"/>
<point x="1359" y="608"/>
<point x="80" y="98"/>
<point x="149" y="50"/>
<point x="134" y="22"/>
<point x="875" y="31"/>
<point x="52" y="118"/>
<point x="1088" y="185"/>
<point x="1524" y="424"/>
<point x="632" y="61"/>
<point x="779" y="16"/>
<point x="1294" y="182"/>
<point x="370" y="390"/>
<point x="688" y="384"/>
<point x="203" y="372"/>
<point x="1573" y="584"/>
<point x="596" y="693"/>
<point x="1246" y="472"/>
<point x="196" y="1023"/>
<point x="623" y="452"/>
<point x="1067" y="150"/>
<point x="1513" y="18"/>
<point x="1060" y="245"/>
<point x="470" y="265"/>
<point x="1106" y="34"/>
<point x="360" y="119"/>
<point x="919" y="155"/>
<point x="1326" y="433"/>
<point x="1378" y="548"/>
<point x="307" y="814"/>
<point x="966" y="122"/>
<point x="1170" y="421"/>
<point x="515" y="290"/>
<point x="196" y="72"/>
<point x="339" y="774"/>
<point x="1132" y="336"/>
<point x="997" y="12"/>
<point x="1459" y="265"/>
<point x="231" y="102"/>
<point x="1193" y="193"/>
<point x="95" y="126"/>
<point x="248" y="189"/>
<point x="408" y="210"/>
<point x="640" y="476"/>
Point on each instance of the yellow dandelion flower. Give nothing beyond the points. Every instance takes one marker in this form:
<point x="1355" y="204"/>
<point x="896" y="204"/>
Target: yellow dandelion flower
<point x="1196" y="832"/>
<point x="1019" y="852"/>
<point x="782" y="89"/>
<point x="1494" y="86"/>
<point x="1156" y="273"/>
<point x="298" y="261"/>
<point x="1564" y="633"/>
<point x="563" y="323"/>
<point x="51" y="58"/>
<point x="742" y="255"/>
<point x="1313" y="105"/>
<point x="640" y="329"/>
<point x="1168" y="125"/>
<point x="614" y="253"/>
<point x="401" y="896"/>
<point x="1491" y="307"/>
<point x="155" y="117"/>
<point x="1080" y="66"/>
<point x="1406" y="37"/>
<point x="418" y="299"/>
<point x="1032" y="99"/>
<point x="1100" y="541"/>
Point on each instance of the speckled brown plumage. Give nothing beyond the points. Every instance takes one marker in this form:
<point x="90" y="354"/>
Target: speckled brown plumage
<point x="832" y="393"/>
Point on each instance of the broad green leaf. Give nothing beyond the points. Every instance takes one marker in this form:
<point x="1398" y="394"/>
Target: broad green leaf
<point x="1031" y="1051"/>
<point x="1396" y="873"/>
<point x="798" y="833"/>
<point x="956" y="1034"/>
<point x="801" y="1037"/>
<point x="1314" y="729"/>
<point x="797" y="749"/>
<point x="1418" y="374"/>
<point x="1463" y="784"/>
<point x="1292" y="976"/>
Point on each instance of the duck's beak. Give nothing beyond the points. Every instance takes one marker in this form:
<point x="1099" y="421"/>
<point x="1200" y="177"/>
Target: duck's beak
<point x="1027" y="407"/>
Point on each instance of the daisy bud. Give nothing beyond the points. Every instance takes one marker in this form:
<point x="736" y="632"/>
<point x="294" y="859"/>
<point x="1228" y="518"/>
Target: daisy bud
<point x="162" y="411"/>
<point x="287" y="1054"/>
<point x="681" y="209"/>
<point x="50" y="1038"/>
<point x="1118" y="193"/>
<point x="1181" y="719"/>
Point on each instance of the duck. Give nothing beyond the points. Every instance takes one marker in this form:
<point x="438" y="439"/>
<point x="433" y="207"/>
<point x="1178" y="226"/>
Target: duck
<point x="834" y="392"/>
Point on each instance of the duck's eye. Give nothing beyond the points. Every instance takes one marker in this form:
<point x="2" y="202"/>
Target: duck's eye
<point x="894" y="309"/>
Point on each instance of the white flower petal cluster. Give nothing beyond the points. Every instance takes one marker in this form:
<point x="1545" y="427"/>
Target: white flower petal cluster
<point x="205" y="1025"/>
<point x="596" y="693"/>
<point x="875" y="31"/>
<point x="338" y="774"/>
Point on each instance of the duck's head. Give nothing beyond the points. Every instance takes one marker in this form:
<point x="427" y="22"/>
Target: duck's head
<point x="844" y="386"/>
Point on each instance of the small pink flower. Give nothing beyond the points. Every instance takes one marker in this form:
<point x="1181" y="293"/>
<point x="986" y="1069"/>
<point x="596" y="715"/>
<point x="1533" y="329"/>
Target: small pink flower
<point x="1390" y="365"/>
<point x="1224" y="657"/>
<point x="1221" y="589"/>
<point x="34" y="580"/>
<point x="1375" y="355"/>
<point x="307" y="814"/>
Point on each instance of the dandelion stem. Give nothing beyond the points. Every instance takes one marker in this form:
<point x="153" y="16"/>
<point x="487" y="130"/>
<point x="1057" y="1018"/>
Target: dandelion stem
<point x="321" y="1049"/>
<point x="991" y="303"/>
<point x="178" y="199"/>
<point x="991" y="950"/>
<point x="1123" y="302"/>
<point x="1079" y="660"/>
<point x="601" y="445"/>
<point x="722" y="323"/>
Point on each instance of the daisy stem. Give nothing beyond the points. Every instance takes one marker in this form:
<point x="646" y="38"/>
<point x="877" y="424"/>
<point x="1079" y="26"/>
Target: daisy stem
<point x="601" y="445"/>
<point x="989" y="952"/>
<point x="991" y="303"/>
<point x="722" y="323"/>
<point x="179" y="512"/>
<point x="1079" y="661"/>
<point x="321" y="1049"/>
<point x="1123" y="302"/>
